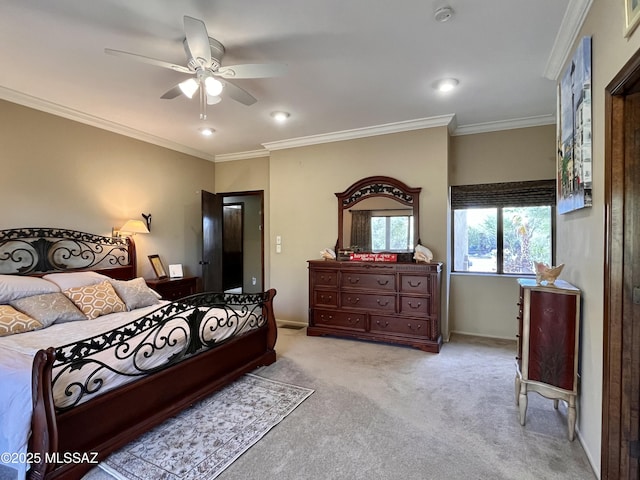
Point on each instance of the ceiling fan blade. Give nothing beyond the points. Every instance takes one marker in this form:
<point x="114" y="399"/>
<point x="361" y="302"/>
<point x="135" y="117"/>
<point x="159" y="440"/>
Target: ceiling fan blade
<point x="197" y="40"/>
<point x="252" y="70"/>
<point x="173" y="93"/>
<point x="238" y="94"/>
<point x="150" y="61"/>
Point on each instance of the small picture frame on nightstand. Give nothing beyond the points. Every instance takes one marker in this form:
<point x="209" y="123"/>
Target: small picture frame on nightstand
<point x="158" y="268"/>
<point x="175" y="271"/>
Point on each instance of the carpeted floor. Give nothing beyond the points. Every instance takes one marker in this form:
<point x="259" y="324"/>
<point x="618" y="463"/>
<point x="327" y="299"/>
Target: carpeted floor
<point x="390" y="412"/>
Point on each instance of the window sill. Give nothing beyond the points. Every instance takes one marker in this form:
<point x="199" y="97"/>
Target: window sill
<point x="493" y="274"/>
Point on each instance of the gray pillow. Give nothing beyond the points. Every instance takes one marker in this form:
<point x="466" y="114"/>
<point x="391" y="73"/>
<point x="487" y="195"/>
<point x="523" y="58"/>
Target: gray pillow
<point x="135" y="293"/>
<point x="49" y="308"/>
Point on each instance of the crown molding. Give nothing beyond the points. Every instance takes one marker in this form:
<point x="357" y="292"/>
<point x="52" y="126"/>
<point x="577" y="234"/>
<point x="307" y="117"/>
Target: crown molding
<point x="405" y="126"/>
<point x="230" y="157"/>
<point x="572" y="22"/>
<point x="512" y="124"/>
<point x="86" y="119"/>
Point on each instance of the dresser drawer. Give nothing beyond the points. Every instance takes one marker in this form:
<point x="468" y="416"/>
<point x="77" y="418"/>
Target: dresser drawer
<point x="325" y="298"/>
<point x="325" y="278"/>
<point x="400" y="326"/>
<point x="369" y="301"/>
<point x="415" y="305"/>
<point x="415" y="284"/>
<point x="336" y="319"/>
<point x="369" y="281"/>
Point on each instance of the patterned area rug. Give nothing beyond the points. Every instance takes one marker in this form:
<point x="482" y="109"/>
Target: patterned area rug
<point x="200" y="442"/>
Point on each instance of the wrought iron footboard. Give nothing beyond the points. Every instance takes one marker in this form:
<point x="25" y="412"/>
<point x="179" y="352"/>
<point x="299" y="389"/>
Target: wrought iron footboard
<point x="152" y="343"/>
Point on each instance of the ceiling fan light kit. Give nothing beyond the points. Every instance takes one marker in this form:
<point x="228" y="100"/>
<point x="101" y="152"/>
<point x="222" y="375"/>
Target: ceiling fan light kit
<point x="204" y="59"/>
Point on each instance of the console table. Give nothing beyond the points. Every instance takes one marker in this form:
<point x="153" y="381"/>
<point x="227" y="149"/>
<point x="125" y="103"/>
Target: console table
<point x="547" y="345"/>
<point x="388" y="302"/>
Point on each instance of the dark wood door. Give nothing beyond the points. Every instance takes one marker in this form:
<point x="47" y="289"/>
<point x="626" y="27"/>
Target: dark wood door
<point x="621" y="382"/>
<point x="212" y="230"/>
<point x="232" y="246"/>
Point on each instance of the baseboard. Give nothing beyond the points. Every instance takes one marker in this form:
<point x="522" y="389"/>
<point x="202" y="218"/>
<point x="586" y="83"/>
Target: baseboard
<point x="588" y="454"/>
<point x="290" y="324"/>
<point x="481" y="335"/>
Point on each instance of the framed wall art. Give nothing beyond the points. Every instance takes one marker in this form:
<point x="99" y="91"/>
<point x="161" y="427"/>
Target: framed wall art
<point x="574" y="156"/>
<point x="631" y="16"/>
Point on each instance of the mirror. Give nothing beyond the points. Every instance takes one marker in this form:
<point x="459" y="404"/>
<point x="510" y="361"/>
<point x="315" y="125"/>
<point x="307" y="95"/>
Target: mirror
<point x="378" y="214"/>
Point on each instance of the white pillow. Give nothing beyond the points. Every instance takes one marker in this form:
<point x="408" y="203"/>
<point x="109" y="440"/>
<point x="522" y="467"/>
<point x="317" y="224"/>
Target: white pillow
<point x="67" y="280"/>
<point x="13" y="287"/>
<point x="134" y="293"/>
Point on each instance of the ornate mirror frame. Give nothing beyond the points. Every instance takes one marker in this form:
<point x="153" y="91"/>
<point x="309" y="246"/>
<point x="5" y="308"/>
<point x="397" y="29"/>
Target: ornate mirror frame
<point x="379" y="186"/>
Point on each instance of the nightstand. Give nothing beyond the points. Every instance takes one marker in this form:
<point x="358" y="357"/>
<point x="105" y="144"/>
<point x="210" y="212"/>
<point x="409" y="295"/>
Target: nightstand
<point x="174" y="288"/>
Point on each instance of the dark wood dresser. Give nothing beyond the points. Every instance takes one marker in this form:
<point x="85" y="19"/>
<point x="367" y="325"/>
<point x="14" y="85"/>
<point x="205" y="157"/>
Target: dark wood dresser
<point x="388" y="302"/>
<point x="547" y="345"/>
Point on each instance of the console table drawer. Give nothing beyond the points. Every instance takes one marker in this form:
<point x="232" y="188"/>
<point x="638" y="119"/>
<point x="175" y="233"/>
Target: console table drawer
<point x="415" y="305"/>
<point x="380" y="303"/>
<point x="336" y="319"/>
<point x="325" y="278"/>
<point x="414" y="284"/>
<point x="401" y="326"/>
<point x="369" y="281"/>
<point x="325" y="298"/>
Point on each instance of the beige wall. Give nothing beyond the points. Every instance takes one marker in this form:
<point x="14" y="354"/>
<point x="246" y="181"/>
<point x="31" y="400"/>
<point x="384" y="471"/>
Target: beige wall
<point x="580" y="235"/>
<point x="505" y="156"/>
<point x="304" y="209"/>
<point x="244" y="176"/>
<point x="60" y="173"/>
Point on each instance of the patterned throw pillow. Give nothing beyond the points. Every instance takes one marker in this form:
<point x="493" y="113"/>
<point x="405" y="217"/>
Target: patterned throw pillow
<point x="135" y="293"/>
<point x="49" y="308"/>
<point x="13" y="321"/>
<point x="96" y="300"/>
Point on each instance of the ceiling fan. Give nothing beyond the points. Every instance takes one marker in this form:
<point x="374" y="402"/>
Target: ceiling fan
<point x="204" y="59"/>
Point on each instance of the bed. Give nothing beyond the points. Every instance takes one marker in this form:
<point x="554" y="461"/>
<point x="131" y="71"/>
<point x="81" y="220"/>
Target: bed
<point x="74" y="388"/>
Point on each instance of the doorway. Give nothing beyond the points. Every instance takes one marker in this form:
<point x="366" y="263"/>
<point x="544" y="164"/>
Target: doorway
<point x="621" y="366"/>
<point x="233" y="241"/>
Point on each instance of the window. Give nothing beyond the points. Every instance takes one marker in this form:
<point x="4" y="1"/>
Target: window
<point x="391" y="232"/>
<point x="503" y="228"/>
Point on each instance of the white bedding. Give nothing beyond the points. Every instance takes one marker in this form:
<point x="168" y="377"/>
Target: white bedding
<point x="16" y="354"/>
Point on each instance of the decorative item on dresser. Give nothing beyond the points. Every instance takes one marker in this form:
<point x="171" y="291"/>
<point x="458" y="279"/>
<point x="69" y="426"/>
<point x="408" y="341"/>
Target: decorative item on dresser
<point x="174" y="288"/>
<point x="389" y="302"/>
<point x="548" y="345"/>
<point x="394" y="301"/>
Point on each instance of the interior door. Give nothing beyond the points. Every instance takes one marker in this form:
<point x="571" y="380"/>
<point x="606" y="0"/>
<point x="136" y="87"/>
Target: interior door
<point x="232" y="246"/>
<point x="621" y="383"/>
<point x="212" y="251"/>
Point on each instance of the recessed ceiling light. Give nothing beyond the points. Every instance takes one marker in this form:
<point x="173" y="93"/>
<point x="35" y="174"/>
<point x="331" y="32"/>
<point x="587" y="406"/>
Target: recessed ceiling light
<point x="206" y="131"/>
<point x="446" y="84"/>
<point x="280" y="116"/>
<point x="443" y="14"/>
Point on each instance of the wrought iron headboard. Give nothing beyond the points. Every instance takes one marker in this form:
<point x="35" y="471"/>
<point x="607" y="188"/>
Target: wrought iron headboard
<point x="36" y="251"/>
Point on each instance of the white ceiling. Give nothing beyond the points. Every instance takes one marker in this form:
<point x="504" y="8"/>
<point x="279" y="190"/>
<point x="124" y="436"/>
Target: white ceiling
<point x="352" y="64"/>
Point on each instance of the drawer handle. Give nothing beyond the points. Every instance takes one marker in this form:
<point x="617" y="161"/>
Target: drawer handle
<point x="322" y="277"/>
<point x="386" y="324"/>
<point x="329" y="317"/>
<point x="411" y="284"/>
<point x="352" y="281"/>
<point x="382" y="304"/>
<point x="350" y="320"/>
<point x="350" y="300"/>
<point x="380" y="282"/>
<point x="322" y="297"/>
<point x="411" y="305"/>
<point x="411" y="327"/>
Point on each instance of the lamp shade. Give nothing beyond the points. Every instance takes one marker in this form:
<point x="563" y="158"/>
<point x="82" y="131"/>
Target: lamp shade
<point x="134" y="226"/>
